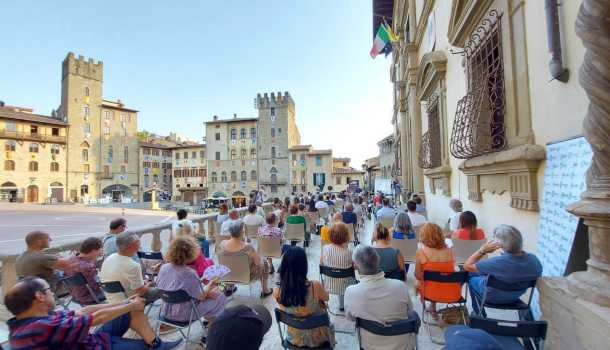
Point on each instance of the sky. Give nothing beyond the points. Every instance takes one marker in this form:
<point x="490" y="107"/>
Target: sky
<point x="183" y="63"/>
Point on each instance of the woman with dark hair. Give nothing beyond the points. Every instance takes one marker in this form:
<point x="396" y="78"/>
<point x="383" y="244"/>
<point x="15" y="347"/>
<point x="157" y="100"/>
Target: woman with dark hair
<point x="468" y="228"/>
<point x="390" y="259"/>
<point x="299" y="296"/>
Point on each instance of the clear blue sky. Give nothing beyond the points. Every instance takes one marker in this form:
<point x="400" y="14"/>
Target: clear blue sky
<point x="180" y="63"/>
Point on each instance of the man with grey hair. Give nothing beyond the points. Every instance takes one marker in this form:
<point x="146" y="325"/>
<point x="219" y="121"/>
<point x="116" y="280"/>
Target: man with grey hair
<point x="378" y="299"/>
<point x="120" y="267"/>
<point x="513" y="266"/>
<point x="233" y="218"/>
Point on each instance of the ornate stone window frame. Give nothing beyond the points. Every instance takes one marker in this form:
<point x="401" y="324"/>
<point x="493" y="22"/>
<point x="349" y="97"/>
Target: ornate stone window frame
<point x="430" y="82"/>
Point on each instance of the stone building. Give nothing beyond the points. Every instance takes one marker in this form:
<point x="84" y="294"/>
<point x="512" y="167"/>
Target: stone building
<point x="155" y="161"/>
<point x="319" y="170"/>
<point x="232" y="157"/>
<point x="386" y="157"/>
<point x="371" y="172"/>
<point x="33" y="156"/>
<point x="102" y="145"/>
<point x="298" y="168"/>
<point x="346" y="178"/>
<point x="189" y="173"/>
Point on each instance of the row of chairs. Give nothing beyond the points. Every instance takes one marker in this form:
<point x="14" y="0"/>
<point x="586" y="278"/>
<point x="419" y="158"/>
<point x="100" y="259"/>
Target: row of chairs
<point x="462" y="249"/>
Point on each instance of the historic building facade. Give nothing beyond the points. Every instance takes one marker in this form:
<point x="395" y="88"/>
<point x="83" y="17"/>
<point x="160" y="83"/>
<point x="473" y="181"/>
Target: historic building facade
<point x="189" y="173"/>
<point x="155" y="161"/>
<point x="346" y="178"/>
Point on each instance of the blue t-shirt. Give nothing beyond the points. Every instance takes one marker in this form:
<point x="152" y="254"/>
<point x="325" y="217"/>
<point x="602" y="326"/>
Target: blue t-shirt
<point x="349" y="217"/>
<point x="401" y="235"/>
<point x="512" y="269"/>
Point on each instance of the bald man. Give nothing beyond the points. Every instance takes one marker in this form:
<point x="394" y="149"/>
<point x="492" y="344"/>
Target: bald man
<point x="35" y="262"/>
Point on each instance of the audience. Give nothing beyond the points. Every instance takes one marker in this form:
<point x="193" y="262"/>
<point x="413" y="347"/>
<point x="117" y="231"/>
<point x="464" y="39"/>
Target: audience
<point x="121" y="267"/>
<point x="348" y="216"/>
<point x="301" y="297"/>
<point x="270" y="230"/>
<point x="117" y="226"/>
<point x="223" y="210"/>
<point x="378" y="299"/>
<point x="434" y="255"/>
<point x="325" y="229"/>
<point x="391" y="260"/>
<point x="200" y="263"/>
<point x="513" y="266"/>
<point x="420" y="207"/>
<point x="468" y="228"/>
<point x="239" y="327"/>
<point x="37" y="263"/>
<point x="37" y="325"/>
<point x="176" y="275"/>
<point x="416" y="219"/>
<point x="454" y="217"/>
<point x="85" y="262"/>
<point x="386" y="212"/>
<point x="296" y="219"/>
<point x="236" y="246"/>
<point x="321" y="203"/>
<point x="402" y="227"/>
<point x="337" y="255"/>
<point x="233" y="218"/>
<point x="252" y="218"/>
<point x="183" y="221"/>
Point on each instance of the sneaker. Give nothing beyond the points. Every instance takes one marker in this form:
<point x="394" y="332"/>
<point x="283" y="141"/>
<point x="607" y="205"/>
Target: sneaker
<point x="167" y="345"/>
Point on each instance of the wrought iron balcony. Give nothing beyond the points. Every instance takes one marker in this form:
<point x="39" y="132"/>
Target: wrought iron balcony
<point x="16" y="135"/>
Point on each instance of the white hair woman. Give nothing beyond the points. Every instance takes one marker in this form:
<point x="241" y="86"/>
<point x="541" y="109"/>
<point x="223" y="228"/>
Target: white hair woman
<point x="454" y="218"/>
<point x="513" y="265"/>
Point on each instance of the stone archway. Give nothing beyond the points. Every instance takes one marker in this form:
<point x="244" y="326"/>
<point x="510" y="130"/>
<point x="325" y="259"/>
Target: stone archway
<point x="32" y="194"/>
<point x="57" y="191"/>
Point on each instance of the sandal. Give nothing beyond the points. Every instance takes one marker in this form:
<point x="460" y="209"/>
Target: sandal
<point x="264" y="295"/>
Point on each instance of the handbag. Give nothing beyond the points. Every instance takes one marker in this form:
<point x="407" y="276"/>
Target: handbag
<point x="454" y="315"/>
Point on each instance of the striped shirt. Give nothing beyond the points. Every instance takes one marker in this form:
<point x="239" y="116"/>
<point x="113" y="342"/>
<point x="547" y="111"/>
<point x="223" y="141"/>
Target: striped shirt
<point x="341" y="258"/>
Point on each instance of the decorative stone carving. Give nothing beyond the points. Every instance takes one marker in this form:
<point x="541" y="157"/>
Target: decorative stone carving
<point x="440" y="180"/>
<point x="513" y="170"/>
<point x="465" y="15"/>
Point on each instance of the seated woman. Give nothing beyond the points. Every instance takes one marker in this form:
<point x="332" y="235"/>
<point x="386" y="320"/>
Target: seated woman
<point x="295" y="218"/>
<point x="402" y="227"/>
<point x="468" y="228"/>
<point x="176" y="275"/>
<point x="337" y="255"/>
<point x="299" y="296"/>
<point x="236" y="246"/>
<point x="391" y="262"/>
<point x="325" y="230"/>
<point x="270" y="230"/>
<point x="88" y="252"/>
<point x="434" y="255"/>
<point x="200" y="263"/>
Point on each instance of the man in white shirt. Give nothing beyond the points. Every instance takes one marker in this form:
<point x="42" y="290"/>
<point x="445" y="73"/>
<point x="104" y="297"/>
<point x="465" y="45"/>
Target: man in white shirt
<point x="120" y="267"/>
<point x="233" y="218"/>
<point x="378" y="299"/>
<point x="416" y="219"/>
<point x="320" y="203"/>
<point x="252" y="218"/>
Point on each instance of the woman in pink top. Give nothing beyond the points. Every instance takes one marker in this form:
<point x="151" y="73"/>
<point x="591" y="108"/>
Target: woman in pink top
<point x="468" y="228"/>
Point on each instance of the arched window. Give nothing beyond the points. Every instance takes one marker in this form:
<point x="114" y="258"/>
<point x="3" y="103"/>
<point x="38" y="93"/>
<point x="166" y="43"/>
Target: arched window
<point x="86" y="91"/>
<point x="273" y="170"/>
<point x="242" y="133"/>
<point x="253" y="133"/>
<point x="126" y="154"/>
<point x="243" y="153"/>
<point x="253" y="153"/>
<point x="10" y="145"/>
<point x="233" y="134"/>
<point x="253" y="175"/>
<point x="85" y="155"/>
<point x="233" y="176"/>
<point x="244" y="176"/>
<point x="214" y="177"/>
<point x="223" y="176"/>
<point x="272" y="132"/>
<point x="273" y="178"/>
<point x="233" y="154"/>
<point x="9" y="165"/>
<point x="54" y="166"/>
<point x="54" y="149"/>
<point x="110" y="154"/>
<point x="33" y="148"/>
<point x="33" y="166"/>
<point x="272" y="152"/>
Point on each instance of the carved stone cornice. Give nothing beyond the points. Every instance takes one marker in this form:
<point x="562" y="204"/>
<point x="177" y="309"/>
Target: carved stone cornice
<point x="432" y="69"/>
<point x="465" y="16"/>
<point x="512" y="170"/>
<point x="440" y="179"/>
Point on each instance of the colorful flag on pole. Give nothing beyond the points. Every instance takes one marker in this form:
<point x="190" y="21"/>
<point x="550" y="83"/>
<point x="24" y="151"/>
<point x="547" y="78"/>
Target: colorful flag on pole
<point x="383" y="41"/>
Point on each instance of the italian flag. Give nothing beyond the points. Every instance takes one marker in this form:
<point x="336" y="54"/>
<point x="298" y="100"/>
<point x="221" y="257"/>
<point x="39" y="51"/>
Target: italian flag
<point x="383" y="41"/>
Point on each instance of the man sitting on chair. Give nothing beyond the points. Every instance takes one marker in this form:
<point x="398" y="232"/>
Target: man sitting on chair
<point x="378" y="299"/>
<point x="513" y="266"/>
<point x="386" y="212"/>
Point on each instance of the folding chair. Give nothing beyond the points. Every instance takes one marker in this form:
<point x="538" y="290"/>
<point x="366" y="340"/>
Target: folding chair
<point x="326" y="271"/>
<point x="79" y="280"/>
<point x="180" y="297"/>
<point x="396" y="275"/>
<point x="464" y="248"/>
<point x="148" y="259"/>
<point x="323" y="213"/>
<point x="390" y="329"/>
<point x="295" y="232"/>
<point x="532" y="333"/>
<point x="460" y="278"/>
<point x="302" y="323"/>
<point x="239" y="264"/>
<point x="270" y="247"/>
<point x="387" y="222"/>
<point x="117" y="287"/>
<point x="406" y="247"/>
<point x="252" y="231"/>
<point x="518" y="305"/>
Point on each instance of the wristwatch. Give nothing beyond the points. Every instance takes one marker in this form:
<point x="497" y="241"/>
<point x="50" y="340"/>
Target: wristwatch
<point x="481" y="252"/>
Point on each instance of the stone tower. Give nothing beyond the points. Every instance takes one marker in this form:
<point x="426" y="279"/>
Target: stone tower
<point x="81" y="101"/>
<point x="277" y="132"/>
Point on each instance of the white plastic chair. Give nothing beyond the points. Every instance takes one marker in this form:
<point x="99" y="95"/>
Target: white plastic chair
<point x="270" y="247"/>
<point x="464" y="248"/>
<point x="407" y="247"/>
<point x="387" y="222"/>
<point x="239" y="264"/>
<point x="295" y="232"/>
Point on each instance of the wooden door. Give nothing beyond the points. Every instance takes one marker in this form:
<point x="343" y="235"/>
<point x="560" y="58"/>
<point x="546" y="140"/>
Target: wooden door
<point x="32" y="194"/>
<point x="57" y="193"/>
<point x="188" y="197"/>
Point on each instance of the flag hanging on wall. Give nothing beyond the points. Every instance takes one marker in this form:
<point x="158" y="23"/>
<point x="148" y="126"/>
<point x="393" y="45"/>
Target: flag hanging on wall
<point x="383" y="41"/>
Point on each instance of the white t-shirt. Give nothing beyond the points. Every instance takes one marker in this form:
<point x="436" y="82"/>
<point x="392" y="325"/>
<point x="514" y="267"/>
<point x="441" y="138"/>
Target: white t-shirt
<point x="416" y="219"/>
<point x="121" y="268"/>
<point x="254" y="220"/>
<point x="321" y="204"/>
<point x="224" y="229"/>
<point x="454" y="221"/>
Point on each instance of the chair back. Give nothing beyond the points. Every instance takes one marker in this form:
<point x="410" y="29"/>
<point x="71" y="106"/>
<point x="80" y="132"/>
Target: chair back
<point x="395" y="275"/>
<point x="150" y="255"/>
<point x="336" y="272"/>
<point x="239" y="265"/>
<point x="75" y="280"/>
<point x="407" y="247"/>
<point x="350" y="230"/>
<point x="387" y="222"/>
<point x="464" y="248"/>
<point x="270" y="247"/>
<point x="409" y="325"/>
<point x="493" y="282"/>
<point x="323" y="212"/>
<point x="295" y="232"/>
<point x="443" y="287"/>
<point x="174" y="297"/>
<point x="302" y="322"/>
<point x="416" y="229"/>
<point x="520" y="329"/>
<point x="113" y="287"/>
<point x="252" y="231"/>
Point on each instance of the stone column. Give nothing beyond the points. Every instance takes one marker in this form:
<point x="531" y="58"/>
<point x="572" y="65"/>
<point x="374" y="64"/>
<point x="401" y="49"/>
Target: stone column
<point x="415" y="133"/>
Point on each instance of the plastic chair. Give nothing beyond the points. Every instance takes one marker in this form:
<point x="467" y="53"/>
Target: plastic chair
<point x="240" y="269"/>
<point x="302" y="323"/>
<point x="390" y="329"/>
<point x="532" y="332"/>
<point x="79" y="280"/>
<point x="113" y="287"/>
<point x="295" y="232"/>
<point x="387" y="222"/>
<point x="518" y="305"/>
<point x="407" y="248"/>
<point x="333" y="272"/>
<point x="323" y="213"/>
<point x="252" y="231"/>
<point x="270" y="247"/>
<point x="179" y="297"/>
<point x="460" y="277"/>
<point x="396" y="275"/>
<point x="463" y="249"/>
<point x="155" y="257"/>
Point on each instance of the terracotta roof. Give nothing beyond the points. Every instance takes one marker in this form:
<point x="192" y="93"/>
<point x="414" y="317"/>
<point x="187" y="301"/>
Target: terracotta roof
<point x="321" y="151"/>
<point x="194" y="145"/>
<point x="153" y="145"/>
<point x="30" y="117"/>
<point x="117" y="105"/>
<point x="231" y="120"/>
<point x="342" y="159"/>
<point x="347" y="171"/>
<point x="300" y="148"/>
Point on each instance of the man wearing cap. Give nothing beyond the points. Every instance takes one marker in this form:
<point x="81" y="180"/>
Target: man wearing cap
<point x="240" y="327"/>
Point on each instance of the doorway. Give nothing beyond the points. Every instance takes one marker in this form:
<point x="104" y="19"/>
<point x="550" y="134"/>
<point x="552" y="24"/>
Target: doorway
<point x="32" y="194"/>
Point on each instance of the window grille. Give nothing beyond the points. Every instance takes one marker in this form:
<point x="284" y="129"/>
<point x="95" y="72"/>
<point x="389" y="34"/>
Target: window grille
<point x="430" y="151"/>
<point x="479" y="122"/>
